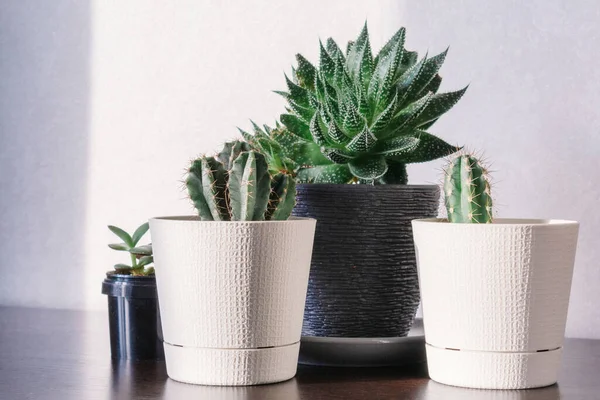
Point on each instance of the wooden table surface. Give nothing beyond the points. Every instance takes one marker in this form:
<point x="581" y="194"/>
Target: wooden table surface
<point x="55" y="354"/>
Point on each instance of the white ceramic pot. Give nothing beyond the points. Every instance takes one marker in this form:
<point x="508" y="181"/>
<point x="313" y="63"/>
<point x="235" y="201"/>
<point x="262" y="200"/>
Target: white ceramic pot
<point x="495" y="299"/>
<point x="231" y="297"/>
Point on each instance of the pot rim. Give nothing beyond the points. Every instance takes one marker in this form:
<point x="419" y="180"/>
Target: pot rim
<point x="196" y="219"/>
<point x="500" y="222"/>
<point x="371" y="187"/>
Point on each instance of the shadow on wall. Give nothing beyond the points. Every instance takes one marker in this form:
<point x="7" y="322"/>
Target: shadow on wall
<point x="44" y="96"/>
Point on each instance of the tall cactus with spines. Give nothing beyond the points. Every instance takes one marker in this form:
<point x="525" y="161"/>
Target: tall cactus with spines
<point x="359" y="117"/>
<point x="467" y="191"/>
<point x="237" y="186"/>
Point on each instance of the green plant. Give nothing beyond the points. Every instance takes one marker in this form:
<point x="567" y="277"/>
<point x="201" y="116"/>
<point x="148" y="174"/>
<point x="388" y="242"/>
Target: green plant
<point x="359" y="118"/>
<point x="467" y="191"/>
<point x="141" y="256"/>
<point x="237" y="186"/>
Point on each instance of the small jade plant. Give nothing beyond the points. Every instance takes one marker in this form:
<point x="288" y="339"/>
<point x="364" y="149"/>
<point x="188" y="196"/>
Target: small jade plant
<point x="141" y="256"/>
<point x="467" y="191"/>
<point x="237" y="185"/>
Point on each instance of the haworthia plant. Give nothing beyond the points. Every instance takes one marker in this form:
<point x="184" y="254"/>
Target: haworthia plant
<point x="467" y="191"/>
<point x="359" y="117"/>
<point x="141" y="256"/>
<point x="238" y="186"/>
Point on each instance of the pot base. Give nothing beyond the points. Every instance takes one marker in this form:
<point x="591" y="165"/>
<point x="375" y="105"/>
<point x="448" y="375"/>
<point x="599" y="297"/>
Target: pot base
<point x="231" y="367"/>
<point x="493" y="370"/>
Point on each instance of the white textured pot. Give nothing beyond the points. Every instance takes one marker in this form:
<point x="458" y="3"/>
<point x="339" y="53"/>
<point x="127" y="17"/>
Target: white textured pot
<point x="231" y="297"/>
<point x="495" y="299"/>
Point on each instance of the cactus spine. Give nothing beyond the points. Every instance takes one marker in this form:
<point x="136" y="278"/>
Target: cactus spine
<point x="467" y="191"/>
<point x="238" y="187"/>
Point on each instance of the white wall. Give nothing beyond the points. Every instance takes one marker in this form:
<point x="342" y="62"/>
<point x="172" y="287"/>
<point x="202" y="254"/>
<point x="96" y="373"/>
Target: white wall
<point x="102" y="104"/>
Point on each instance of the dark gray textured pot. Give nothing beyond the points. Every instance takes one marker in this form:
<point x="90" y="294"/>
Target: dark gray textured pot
<point x="363" y="279"/>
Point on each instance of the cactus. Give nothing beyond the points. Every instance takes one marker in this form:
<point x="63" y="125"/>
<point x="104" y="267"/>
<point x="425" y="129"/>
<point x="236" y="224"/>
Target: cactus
<point x="237" y="186"/>
<point x="141" y="256"/>
<point x="359" y="117"/>
<point x="467" y="191"/>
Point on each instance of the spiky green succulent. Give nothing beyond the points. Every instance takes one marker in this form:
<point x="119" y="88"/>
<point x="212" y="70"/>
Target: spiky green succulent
<point x="467" y="191"/>
<point x="358" y="117"/>
<point x="141" y="256"/>
<point x="237" y="186"/>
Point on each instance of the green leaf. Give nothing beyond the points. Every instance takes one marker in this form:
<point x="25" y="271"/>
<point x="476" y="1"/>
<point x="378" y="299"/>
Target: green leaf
<point x="430" y="69"/>
<point x="139" y="232"/>
<point x="326" y="63"/>
<point x="353" y="121"/>
<point x="396" y="146"/>
<point x="333" y="49"/>
<point x="407" y="79"/>
<point x="407" y="116"/>
<point x="149" y="271"/>
<point x="408" y="60"/>
<point x="122" y="269"/>
<point x="305" y="114"/>
<point x="429" y="148"/>
<point x="368" y="168"/>
<point x="316" y="131"/>
<point x="388" y="47"/>
<point x="296" y="126"/>
<point x="432" y="86"/>
<point x="362" y="142"/>
<point x="305" y="73"/>
<point x="383" y="119"/>
<point x="145" y="260"/>
<point x="298" y="94"/>
<point x="360" y="59"/>
<point x="333" y="173"/>
<point x="145" y="250"/>
<point x="337" y="156"/>
<point x="395" y="175"/>
<point x="336" y="134"/>
<point x="119" y="246"/>
<point x="124" y="236"/>
<point x="439" y="104"/>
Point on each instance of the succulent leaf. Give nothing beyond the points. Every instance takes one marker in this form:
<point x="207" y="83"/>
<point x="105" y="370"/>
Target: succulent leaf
<point x="139" y="232"/>
<point x="429" y="148"/>
<point x="396" y="147"/>
<point x="145" y="250"/>
<point x="326" y="64"/>
<point x="316" y="130"/>
<point x="124" y="236"/>
<point x="438" y="105"/>
<point x="363" y="142"/>
<point x="123" y="269"/>
<point x="337" y="156"/>
<point x="395" y="175"/>
<point x="145" y="260"/>
<point x="296" y="125"/>
<point x="334" y="173"/>
<point x="334" y="50"/>
<point x="305" y="72"/>
<point x="369" y="168"/>
<point x="336" y="134"/>
<point x="299" y="95"/>
<point x="119" y="246"/>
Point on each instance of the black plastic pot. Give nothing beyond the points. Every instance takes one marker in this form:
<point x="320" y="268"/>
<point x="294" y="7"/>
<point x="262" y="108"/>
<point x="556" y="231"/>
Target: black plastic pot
<point x="363" y="279"/>
<point x="134" y="317"/>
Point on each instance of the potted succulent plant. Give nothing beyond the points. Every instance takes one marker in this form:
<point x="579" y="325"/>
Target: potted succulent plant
<point x="353" y="124"/>
<point x="232" y="282"/>
<point x="495" y="291"/>
<point x="133" y="316"/>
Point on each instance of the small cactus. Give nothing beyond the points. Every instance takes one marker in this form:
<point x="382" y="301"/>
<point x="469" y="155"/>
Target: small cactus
<point x="237" y="186"/>
<point x="467" y="191"/>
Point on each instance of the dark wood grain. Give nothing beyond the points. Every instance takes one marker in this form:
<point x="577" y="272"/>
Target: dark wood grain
<point x="50" y="354"/>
